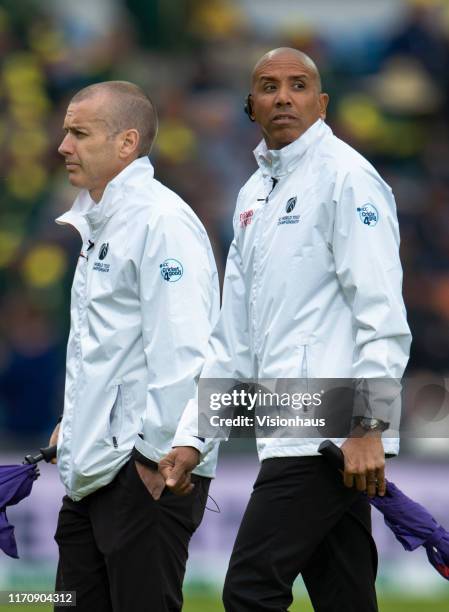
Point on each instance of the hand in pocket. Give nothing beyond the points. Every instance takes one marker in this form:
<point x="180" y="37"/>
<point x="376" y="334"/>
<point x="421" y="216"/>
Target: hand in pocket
<point x="153" y="481"/>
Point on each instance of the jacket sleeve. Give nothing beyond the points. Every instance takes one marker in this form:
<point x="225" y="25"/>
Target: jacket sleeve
<point x="179" y="297"/>
<point x="366" y="252"/>
<point x="228" y="354"/>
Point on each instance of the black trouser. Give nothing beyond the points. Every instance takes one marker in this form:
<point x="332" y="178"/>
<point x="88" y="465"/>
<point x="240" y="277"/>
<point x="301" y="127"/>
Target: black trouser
<point x="122" y="551"/>
<point x="302" y="519"/>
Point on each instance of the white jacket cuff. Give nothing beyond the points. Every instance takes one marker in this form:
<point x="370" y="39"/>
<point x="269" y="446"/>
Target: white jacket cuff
<point x="186" y="440"/>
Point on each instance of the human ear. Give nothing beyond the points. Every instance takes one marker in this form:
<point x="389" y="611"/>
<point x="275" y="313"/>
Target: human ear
<point x="323" y="102"/>
<point x="130" y="142"/>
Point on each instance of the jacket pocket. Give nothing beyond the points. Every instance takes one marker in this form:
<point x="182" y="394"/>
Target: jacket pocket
<point x="303" y="344"/>
<point x="303" y="361"/>
<point x="116" y="417"/>
<point x="142" y="486"/>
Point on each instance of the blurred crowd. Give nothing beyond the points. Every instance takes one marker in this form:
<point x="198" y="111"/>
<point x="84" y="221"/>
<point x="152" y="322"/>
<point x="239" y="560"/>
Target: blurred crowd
<point x="389" y="94"/>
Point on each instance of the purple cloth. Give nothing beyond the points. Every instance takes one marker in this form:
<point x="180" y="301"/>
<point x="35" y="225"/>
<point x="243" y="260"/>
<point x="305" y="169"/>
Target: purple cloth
<point x="414" y="526"/>
<point x="16" y="482"/>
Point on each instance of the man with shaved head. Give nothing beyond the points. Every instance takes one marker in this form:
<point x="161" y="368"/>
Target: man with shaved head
<point x="312" y="292"/>
<point x="144" y="298"/>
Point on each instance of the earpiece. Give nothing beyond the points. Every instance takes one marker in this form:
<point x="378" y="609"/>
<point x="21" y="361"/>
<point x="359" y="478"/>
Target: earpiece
<point x="248" y="108"/>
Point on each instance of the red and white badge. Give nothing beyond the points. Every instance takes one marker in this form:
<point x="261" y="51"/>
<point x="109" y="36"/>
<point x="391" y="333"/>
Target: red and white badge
<point x="246" y="217"/>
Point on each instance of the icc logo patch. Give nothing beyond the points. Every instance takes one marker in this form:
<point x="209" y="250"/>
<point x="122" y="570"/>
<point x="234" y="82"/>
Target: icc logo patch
<point x="171" y="270"/>
<point x="103" y="250"/>
<point x="368" y="215"/>
<point x="291" y="203"/>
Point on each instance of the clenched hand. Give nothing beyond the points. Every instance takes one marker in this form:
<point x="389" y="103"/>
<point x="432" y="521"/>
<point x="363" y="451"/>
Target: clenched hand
<point x="176" y="468"/>
<point x="365" y="464"/>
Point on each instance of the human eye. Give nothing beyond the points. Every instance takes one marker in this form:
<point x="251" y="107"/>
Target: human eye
<point x="269" y="87"/>
<point x="79" y="133"/>
<point x="298" y="85"/>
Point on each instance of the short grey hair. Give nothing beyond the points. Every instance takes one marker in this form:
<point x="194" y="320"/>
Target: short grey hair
<point x="129" y="108"/>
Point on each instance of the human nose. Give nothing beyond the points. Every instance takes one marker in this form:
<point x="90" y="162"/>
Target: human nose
<point x="283" y="95"/>
<point x="66" y="146"/>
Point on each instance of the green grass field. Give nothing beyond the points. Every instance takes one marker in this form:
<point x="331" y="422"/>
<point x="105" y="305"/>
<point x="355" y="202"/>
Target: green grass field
<point x="203" y="604"/>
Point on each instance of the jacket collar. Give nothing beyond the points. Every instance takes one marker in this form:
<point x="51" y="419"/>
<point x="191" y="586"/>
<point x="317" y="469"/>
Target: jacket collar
<point x="86" y="215"/>
<point x="277" y="163"/>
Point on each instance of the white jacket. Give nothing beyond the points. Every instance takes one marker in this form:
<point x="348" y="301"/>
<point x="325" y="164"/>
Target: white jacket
<point x="144" y="299"/>
<point x="313" y="278"/>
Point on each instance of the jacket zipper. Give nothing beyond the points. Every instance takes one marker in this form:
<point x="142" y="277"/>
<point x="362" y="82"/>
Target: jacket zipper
<point x="275" y="181"/>
<point x="254" y="292"/>
<point x="116" y="416"/>
<point x="81" y="299"/>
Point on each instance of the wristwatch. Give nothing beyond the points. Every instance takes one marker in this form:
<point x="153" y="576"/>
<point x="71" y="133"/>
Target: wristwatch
<point x="370" y="424"/>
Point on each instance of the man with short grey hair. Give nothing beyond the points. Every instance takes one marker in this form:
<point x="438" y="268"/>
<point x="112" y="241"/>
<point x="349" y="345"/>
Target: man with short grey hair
<point x="144" y="298"/>
<point x="127" y="105"/>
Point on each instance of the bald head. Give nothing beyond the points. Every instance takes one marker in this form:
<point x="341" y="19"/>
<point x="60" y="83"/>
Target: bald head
<point x="124" y="106"/>
<point x="286" y="53"/>
<point x="286" y="97"/>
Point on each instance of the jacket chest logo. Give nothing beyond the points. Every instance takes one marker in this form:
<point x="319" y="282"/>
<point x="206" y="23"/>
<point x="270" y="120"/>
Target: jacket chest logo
<point x="289" y="219"/>
<point x="291" y="203"/>
<point x="99" y="266"/>
<point x="103" y="250"/>
<point x="246" y="218"/>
